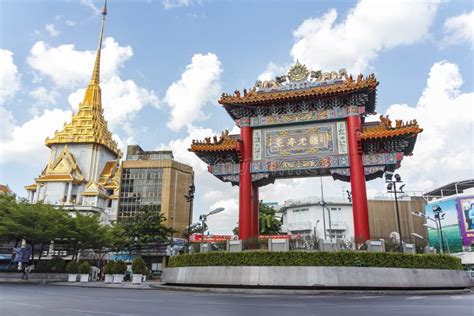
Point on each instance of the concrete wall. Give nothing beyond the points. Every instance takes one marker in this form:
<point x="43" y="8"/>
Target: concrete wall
<point x="6" y="277"/>
<point x="321" y="277"/>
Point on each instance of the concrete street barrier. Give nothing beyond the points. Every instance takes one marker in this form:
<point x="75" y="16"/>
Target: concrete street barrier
<point x="7" y="277"/>
<point x="317" y="277"/>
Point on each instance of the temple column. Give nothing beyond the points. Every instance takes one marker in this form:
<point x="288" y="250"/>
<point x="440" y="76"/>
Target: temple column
<point x="359" y="194"/>
<point x="254" y="223"/>
<point x="245" y="183"/>
<point x="38" y="191"/>
<point x="69" y="193"/>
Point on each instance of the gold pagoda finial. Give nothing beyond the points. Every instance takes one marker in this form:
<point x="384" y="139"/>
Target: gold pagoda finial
<point x="92" y="96"/>
<point x="96" y="72"/>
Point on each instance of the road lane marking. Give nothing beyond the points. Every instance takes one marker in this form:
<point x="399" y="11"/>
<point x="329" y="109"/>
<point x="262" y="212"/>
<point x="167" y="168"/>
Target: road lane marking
<point x="416" y="297"/>
<point x="93" y="312"/>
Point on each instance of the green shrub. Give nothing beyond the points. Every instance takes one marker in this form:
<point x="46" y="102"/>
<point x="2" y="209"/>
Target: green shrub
<point x="72" y="267"/>
<point x="120" y="267"/>
<point x="56" y="264"/>
<point x="42" y="266"/>
<point x="84" y="267"/>
<point x="110" y="267"/>
<point x="139" y="266"/>
<point x="338" y="259"/>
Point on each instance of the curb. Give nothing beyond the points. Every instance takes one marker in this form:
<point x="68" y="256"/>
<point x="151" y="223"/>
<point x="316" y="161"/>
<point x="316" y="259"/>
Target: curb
<point x="145" y="287"/>
<point x="267" y="291"/>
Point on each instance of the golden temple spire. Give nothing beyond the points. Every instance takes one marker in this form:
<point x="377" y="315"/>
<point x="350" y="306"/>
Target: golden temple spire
<point x="88" y="124"/>
<point x="92" y="97"/>
<point x="96" y="72"/>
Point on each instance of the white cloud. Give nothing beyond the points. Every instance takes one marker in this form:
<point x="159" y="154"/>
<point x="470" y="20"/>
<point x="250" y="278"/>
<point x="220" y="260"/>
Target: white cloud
<point x="271" y="71"/>
<point x="7" y="123"/>
<point x="70" y="23"/>
<point x="198" y="84"/>
<point x="121" y="100"/>
<point x="70" y="68"/>
<point x="90" y="4"/>
<point x="445" y="148"/>
<point x="369" y="28"/>
<point x="170" y="4"/>
<point x="459" y="29"/>
<point x="9" y="76"/>
<point x="25" y="143"/>
<point x="51" y="29"/>
<point x="44" y="97"/>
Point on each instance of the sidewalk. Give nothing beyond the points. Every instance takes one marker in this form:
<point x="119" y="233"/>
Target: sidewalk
<point x="101" y="284"/>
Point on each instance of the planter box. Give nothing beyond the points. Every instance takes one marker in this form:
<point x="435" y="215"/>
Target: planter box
<point x="118" y="278"/>
<point x="84" y="278"/>
<point x="137" y="278"/>
<point x="72" y="277"/>
<point x="109" y="278"/>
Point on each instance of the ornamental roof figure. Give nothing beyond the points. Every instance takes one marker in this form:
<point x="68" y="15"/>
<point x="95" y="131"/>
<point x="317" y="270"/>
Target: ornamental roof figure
<point x="301" y="85"/>
<point x="88" y="124"/>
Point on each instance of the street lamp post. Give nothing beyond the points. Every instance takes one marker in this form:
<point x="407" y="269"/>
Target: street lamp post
<point x="420" y="214"/>
<point x="439" y="215"/>
<point x="324" y="206"/>
<point x="190" y="198"/>
<point x="203" y="219"/>
<point x="392" y="188"/>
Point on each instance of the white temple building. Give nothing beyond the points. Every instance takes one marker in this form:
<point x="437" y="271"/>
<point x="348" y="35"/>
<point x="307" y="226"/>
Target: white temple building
<point x="83" y="170"/>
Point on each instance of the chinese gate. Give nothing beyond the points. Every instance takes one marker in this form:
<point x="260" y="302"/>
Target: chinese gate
<point x="306" y="124"/>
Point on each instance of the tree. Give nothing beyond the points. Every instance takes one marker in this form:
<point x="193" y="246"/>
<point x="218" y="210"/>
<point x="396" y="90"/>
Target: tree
<point x="37" y="223"/>
<point x="86" y="232"/>
<point x="146" y="230"/>
<point x="268" y="223"/>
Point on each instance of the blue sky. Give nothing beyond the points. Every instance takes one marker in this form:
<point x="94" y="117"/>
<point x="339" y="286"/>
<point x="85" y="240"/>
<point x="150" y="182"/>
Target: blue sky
<point x="172" y="59"/>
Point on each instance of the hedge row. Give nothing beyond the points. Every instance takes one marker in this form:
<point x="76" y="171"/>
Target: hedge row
<point x="338" y="259"/>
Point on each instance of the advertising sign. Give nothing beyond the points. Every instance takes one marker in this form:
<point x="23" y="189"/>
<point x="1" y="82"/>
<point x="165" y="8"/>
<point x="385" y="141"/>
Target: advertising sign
<point x="209" y="238"/>
<point x="450" y="225"/>
<point x="465" y="207"/>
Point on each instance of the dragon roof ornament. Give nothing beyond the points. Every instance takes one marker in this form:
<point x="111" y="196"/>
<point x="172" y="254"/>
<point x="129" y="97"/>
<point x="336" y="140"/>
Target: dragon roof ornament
<point x="299" y="77"/>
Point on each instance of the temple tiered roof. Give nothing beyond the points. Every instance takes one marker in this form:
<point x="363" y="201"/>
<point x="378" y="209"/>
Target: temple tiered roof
<point x="88" y="125"/>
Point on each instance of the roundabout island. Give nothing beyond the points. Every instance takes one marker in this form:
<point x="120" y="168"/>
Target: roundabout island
<point x="343" y="270"/>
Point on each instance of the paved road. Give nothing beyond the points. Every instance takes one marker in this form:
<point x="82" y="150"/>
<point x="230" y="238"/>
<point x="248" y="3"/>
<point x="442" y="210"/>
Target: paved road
<point x="59" y="300"/>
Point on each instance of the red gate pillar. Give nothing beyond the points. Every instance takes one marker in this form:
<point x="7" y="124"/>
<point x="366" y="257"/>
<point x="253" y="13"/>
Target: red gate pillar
<point x="245" y="183"/>
<point x="254" y="228"/>
<point x="359" y="193"/>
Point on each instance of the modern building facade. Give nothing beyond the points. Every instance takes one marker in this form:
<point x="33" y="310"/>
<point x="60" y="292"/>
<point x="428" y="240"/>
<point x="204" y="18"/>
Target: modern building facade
<point x="82" y="173"/>
<point x="154" y="179"/>
<point x="306" y="217"/>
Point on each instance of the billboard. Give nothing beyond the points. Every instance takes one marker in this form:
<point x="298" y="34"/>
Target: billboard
<point x="465" y="206"/>
<point x="450" y="226"/>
